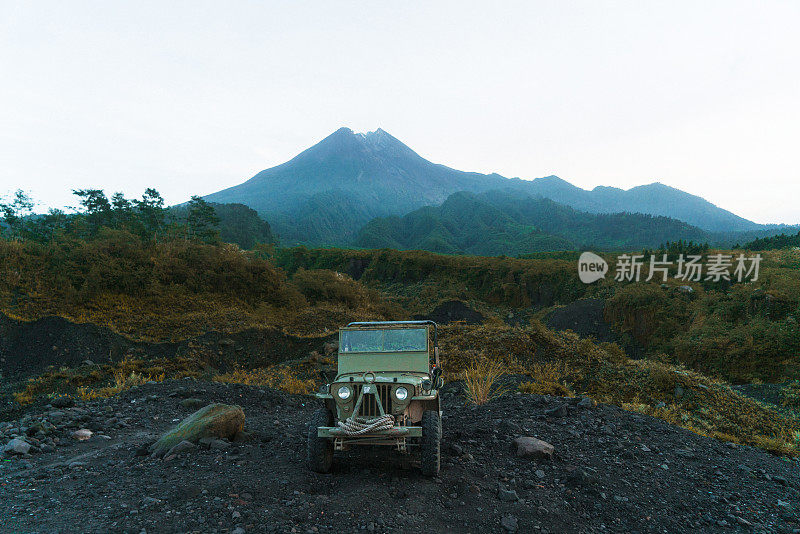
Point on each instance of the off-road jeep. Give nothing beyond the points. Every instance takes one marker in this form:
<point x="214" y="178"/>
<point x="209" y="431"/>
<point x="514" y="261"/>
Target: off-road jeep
<point x="386" y="392"/>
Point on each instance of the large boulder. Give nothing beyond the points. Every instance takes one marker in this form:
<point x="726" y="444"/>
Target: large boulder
<point x="82" y="434"/>
<point x="17" y="446"/>
<point x="221" y="421"/>
<point x="528" y="447"/>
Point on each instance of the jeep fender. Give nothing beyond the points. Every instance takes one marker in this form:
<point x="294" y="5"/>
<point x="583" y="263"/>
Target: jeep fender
<point x="418" y="406"/>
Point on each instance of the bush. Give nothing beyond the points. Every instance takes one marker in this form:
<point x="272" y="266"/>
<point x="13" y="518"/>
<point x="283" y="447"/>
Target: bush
<point x="481" y="380"/>
<point x="322" y="285"/>
<point x="162" y="290"/>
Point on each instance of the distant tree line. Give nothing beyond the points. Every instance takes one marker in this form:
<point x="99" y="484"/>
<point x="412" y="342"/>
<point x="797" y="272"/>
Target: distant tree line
<point x="673" y="249"/>
<point x="145" y="217"/>
<point x="782" y="241"/>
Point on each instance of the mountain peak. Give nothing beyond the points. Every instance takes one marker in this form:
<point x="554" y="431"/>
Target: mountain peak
<point x="345" y="131"/>
<point x="382" y="140"/>
<point x="344" y="142"/>
<point x="380" y="132"/>
<point x="345" y="137"/>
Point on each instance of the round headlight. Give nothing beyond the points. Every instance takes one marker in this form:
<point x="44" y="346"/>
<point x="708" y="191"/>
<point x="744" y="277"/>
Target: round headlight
<point x="401" y="393"/>
<point x="344" y="392"/>
<point x="427" y="384"/>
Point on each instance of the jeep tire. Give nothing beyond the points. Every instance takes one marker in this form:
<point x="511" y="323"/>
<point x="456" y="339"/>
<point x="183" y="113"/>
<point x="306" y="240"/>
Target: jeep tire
<point x="430" y="443"/>
<point x="320" y="450"/>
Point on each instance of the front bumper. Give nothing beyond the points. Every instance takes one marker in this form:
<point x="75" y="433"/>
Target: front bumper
<point x="394" y="432"/>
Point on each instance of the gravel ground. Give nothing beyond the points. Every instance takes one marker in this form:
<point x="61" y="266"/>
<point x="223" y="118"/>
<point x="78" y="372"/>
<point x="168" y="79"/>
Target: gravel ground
<point x="612" y="471"/>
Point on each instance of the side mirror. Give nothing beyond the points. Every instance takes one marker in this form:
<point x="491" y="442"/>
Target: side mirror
<point x="436" y="377"/>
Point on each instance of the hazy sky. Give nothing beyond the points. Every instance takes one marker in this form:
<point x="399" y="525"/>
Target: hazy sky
<point x="191" y="97"/>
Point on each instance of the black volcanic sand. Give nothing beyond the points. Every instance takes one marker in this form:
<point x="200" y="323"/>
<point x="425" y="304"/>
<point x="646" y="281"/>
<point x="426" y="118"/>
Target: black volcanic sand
<point x="584" y="317"/>
<point x="453" y="311"/>
<point x="613" y="471"/>
<point x="29" y="347"/>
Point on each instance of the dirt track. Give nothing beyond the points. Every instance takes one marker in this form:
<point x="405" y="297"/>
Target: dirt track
<point x="613" y="471"/>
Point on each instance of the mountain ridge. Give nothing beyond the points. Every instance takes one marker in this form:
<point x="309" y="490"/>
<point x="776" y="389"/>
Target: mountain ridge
<point x="382" y="176"/>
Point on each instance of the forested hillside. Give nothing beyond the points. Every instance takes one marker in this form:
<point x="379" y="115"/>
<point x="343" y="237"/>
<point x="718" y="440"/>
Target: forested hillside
<point x="502" y="222"/>
<point x="237" y="223"/>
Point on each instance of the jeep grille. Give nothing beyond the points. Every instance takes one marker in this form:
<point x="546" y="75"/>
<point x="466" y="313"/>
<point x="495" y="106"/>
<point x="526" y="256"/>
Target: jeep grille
<point x="369" y="406"/>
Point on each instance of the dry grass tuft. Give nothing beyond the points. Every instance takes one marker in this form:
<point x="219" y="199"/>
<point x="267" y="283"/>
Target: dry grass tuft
<point x="481" y="381"/>
<point x="102" y="381"/>
<point x="277" y="377"/>
<point x="549" y="378"/>
<point x="123" y="381"/>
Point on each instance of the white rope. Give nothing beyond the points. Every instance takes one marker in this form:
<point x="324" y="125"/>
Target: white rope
<point x="353" y="426"/>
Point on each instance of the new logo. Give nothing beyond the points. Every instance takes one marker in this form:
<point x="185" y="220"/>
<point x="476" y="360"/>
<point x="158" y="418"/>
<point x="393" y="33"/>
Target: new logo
<point x="591" y="267"/>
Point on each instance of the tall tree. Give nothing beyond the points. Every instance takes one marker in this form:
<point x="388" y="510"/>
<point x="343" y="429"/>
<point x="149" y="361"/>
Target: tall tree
<point x="151" y="212"/>
<point x="97" y="207"/>
<point x="15" y="211"/>
<point x="202" y="221"/>
<point x="122" y="214"/>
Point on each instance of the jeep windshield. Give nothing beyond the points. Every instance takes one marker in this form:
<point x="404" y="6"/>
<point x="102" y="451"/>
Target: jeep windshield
<point x="384" y="340"/>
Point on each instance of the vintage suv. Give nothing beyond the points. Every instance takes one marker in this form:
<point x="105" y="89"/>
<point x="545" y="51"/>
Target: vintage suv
<point x="386" y="392"/>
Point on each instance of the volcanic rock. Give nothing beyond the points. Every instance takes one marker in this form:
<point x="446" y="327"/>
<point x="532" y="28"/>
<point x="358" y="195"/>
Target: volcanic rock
<point x="528" y="447"/>
<point x="213" y="421"/>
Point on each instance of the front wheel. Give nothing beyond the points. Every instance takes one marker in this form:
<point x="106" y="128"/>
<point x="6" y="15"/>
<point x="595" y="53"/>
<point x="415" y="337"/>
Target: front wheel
<point x="320" y="450"/>
<point x="430" y="444"/>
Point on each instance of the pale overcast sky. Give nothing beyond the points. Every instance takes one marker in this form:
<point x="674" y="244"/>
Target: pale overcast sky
<point x="191" y="97"/>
